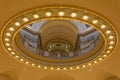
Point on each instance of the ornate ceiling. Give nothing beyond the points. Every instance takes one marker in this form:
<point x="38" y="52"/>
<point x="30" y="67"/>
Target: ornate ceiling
<point x="106" y="70"/>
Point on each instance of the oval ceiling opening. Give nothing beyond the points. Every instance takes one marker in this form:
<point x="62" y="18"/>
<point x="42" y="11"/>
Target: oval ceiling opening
<point x="60" y="39"/>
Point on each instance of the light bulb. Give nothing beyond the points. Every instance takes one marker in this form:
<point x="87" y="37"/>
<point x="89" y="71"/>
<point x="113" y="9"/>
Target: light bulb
<point x="48" y="13"/>
<point x="61" y="13"/>
<point x="17" y="23"/>
<point x="6" y="39"/>
<point x="11" y="29"/>
<point x="73" y="14"/>
<point x="36" y="16"/>
<point x="85" y="17"/>
<point x="111" y="42"/>
<point x="95" y="21"/>
<point x="110" y="37"/>
<point x="8" y="34"/>
<point x="103" y="26"/>
<point x="7" y="44"/>
<point x="25" y="19"/>
<point x="108" y="31"/>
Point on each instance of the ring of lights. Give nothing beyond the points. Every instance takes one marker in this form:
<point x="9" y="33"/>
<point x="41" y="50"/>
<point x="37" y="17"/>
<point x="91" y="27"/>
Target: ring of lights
<point x="63" y="13"/>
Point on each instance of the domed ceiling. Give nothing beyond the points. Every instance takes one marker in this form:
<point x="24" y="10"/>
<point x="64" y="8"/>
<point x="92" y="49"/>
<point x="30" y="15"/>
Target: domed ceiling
<point x="59" y="37"/>
<point x="12" y="65"/>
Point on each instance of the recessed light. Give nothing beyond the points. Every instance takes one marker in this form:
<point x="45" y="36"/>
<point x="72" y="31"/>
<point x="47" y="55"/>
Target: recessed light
<point x="33" y="64"/>
<point x="108" y="51"/>
<point x="95" y="61"/>
<point x="73" y="14"/>
<point x="108" y="31"/>
<point x="7" y="44"/>
<point x="89" y="64"/>
<point x="9" y="49"/>
<point x="110" y="37"/>
<point x="45" y="67"/>
<point x="95" y="21"/>
<point x="61" y="13"/>
<point x="104" y="55"/>
<point x="71" y="67"/>
<point x="17" y="23"/>
<point x="100" y="59"/>
<point x="85" y="17"/>
<point x="103" y="26"/>
<point x="83" y="66"/>
<point x="111" y="42"/>
<point x="58" y="68"/>
<point x="12" y="53"/>
<point x="27" y="62"/>
<point x="21" y="59"/>
<point x="17" y="56"/>
<point x="25" y="19"/>
<point x="110" y="47"/>
<point x="11" y="29"/>
<point x="36" y="16"/>
<point x="48" y="14"/>
<point x="7" y="39"/>
<point x="77" y="67"/>
<point x="64" y="68"/>
<point x="39" y="66"/>
<point x="8" y="34"/>
<point x="51" y="68"/>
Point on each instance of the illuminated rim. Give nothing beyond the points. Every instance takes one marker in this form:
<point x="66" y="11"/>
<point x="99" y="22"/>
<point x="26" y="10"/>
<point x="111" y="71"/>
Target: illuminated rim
<point x="12" y="27"/>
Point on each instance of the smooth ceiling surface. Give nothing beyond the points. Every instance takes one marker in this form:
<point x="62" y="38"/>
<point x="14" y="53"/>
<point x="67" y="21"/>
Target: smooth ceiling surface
<point x="10" y="69"/>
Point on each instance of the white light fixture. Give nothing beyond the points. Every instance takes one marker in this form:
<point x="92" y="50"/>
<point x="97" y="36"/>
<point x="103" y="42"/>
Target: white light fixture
<point x="95" y="21"/>
<point x="25" y="19"/>
<point x="8" y="34"/>
<point x="71" y="67"/>
<point x="73" y="14"/>
<point x="110" y="37"/>
<point x="39" y="66"/>
<point x="108" y="51"/>
<point x="17" y="23"/>
<point x="33" y="64"/>
<point x="100" y="59"/>
<point x="12" y="53"/>
<point x="83" y="66"/>
<point x="85" y="17"/>
<point x="61" y="13"/>
<point x="36" y="16"/>
<point x="7" y="44"/>
<point x="104" y="55"/>
<point x="21" y="59"/>
<point x="110" y="47"/>
<point x="48" y="14"/>
<point x="45" y="67"/>
<point x="17" y="56"/>
<point x="64" y="68"/>
<point x="11" y="29"/>
<point x="58" y="68"/>
<point x="27" y="62"/>
<point x="9" y="49"/>
<point x="7" y="39"/>
<point x="89" y="64"/>
<point x="103" y="26"/>
<point x="108" y="31"/>
<point x="77" y="67"/>
<point x="51" y="68"/>
<point x="111" y="42"/>
<point x="95" y="62"/>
